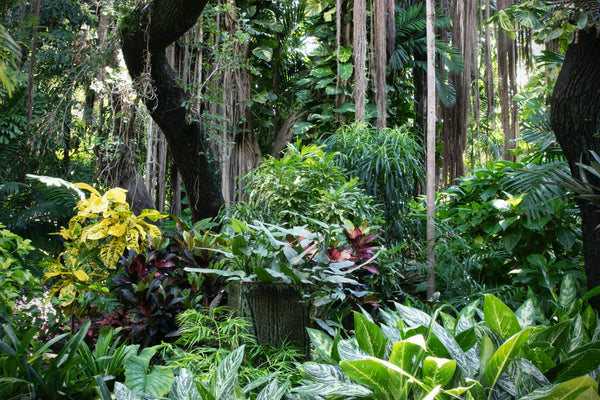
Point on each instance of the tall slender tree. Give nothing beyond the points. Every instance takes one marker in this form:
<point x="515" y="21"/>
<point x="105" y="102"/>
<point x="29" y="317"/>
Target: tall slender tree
<point x="360" y="58"/>
<point x="380" y="9"/>
<point x="431" y="168"/>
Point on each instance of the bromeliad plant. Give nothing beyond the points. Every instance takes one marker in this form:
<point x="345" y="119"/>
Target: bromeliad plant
<point x="503" y="355"/>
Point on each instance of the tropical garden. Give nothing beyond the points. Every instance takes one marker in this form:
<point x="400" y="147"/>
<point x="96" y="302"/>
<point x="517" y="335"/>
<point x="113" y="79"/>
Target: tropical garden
<point x="299" y="199"/>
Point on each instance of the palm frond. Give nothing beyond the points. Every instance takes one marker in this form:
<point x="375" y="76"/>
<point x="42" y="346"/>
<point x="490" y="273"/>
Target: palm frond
<point x="541" y="195"/>
<point x="536" y="130"/>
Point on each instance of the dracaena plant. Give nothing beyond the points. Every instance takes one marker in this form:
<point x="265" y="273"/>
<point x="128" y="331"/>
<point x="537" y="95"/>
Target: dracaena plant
<point x="482" y="353"/>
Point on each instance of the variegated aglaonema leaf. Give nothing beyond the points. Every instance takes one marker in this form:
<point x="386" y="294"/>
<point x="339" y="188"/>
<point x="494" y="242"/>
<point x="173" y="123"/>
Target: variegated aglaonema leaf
<point x="438" y="371"/>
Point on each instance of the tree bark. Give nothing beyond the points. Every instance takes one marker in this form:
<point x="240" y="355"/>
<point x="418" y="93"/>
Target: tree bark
<point x="360" y="58"/>
<point x="145" y="34"/>
<point x="380" y="11"/>
<point x="575" y="116"/>
<point x="456" y="119"/>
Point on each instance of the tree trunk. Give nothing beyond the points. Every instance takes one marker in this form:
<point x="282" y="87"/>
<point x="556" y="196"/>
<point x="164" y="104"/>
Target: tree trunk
<point x="360" y="59"/>
<point x="506" y="84"/>
<point x="456" y="119"/>
<point x="575" y="116"/>
<point x="380" y="11"/>
<point x="145" y="34"/>
<point x="431" y="169"/>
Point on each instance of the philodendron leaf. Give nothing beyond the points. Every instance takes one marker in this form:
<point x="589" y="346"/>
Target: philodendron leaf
<point x="369" y="373"/>
<point x="581" y="388"/>
<point x="438" y="371"/>
<point x="499" y="317"/>
<point x="156" y="383"/>
<point x="503" y="356"/>
<point x="369" y="337"/>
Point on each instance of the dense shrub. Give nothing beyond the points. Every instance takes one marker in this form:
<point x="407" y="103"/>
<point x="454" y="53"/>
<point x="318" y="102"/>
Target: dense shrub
<point x="304" y="184"/>
<point x="389" y="165"/>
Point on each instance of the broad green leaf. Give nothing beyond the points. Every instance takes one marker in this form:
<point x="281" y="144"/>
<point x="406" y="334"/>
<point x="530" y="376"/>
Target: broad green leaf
<point x="579" y="364"/>
<point x="156" y="383"/>
<point x="344" y="53"/>
<point x="404" y="352"/>
<point x="345" y="108"/>
<point x="322" y="343"/>
<point x="322" y="72"/>
<point x="238" y="226"/>
<point x="369" y="337"/>
<point x="345" y="71"/>
<point x="475" y="389"/>
<point x="487" y="350"/>
<point x="467" y="339"/>
<point x="332" y="90"/>
<point x="302" y="127"/>
<point x="414" y="317"/>
<point x="263" y="52"/>
<point x="589" y="319"/>
<point x="503" y="356"/>
<point x="499" y="317"/>
<point x="438" y="371"/>
<point x="555" y="335"/>
<point x="511" y="239"/>
<point x="540" y="355"/>
<point x="369" y="373"/>
<point x="581" y="388"/>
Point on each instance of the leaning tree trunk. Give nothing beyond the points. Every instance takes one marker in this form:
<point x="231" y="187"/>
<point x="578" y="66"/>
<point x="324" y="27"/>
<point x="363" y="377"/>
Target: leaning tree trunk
<point x="575" y="115"/>
<point x="145" y="34"/>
